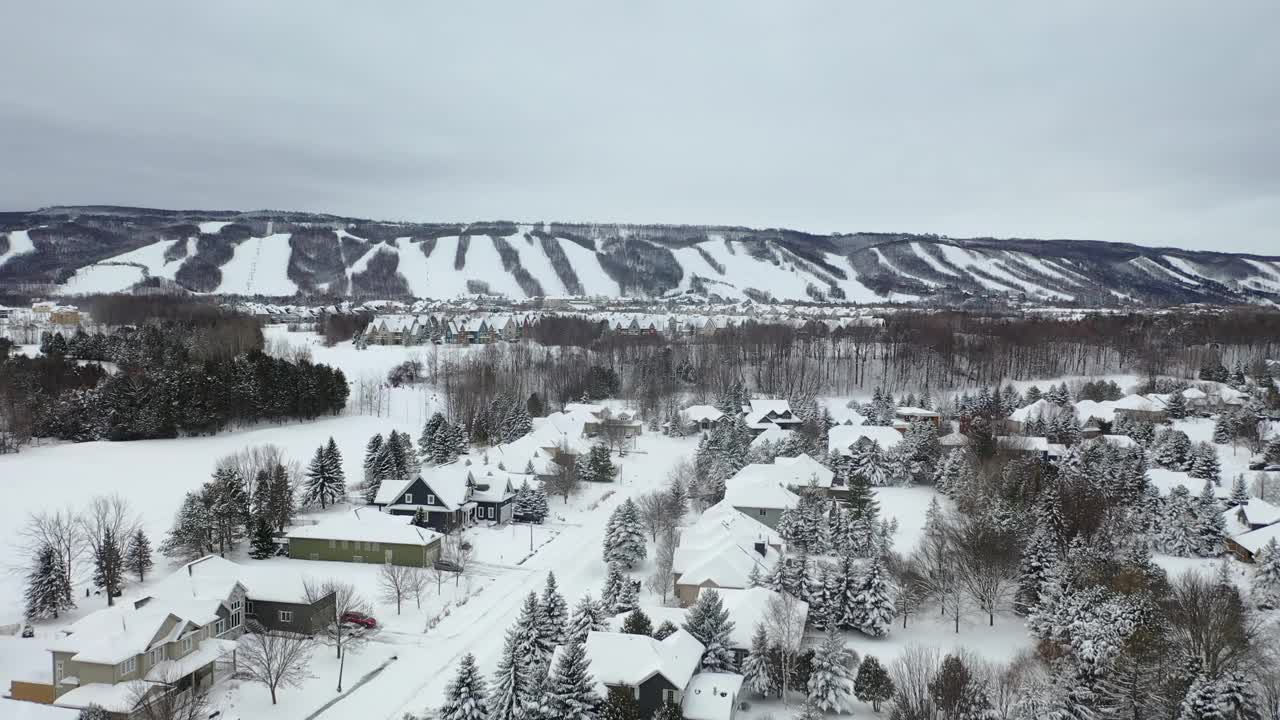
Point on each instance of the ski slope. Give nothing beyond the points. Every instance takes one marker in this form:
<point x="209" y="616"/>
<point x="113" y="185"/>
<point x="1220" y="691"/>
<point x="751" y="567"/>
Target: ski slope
<point x="260" y="266"/>
<point x="19" y="244"/>
<point x="103" y="278"/>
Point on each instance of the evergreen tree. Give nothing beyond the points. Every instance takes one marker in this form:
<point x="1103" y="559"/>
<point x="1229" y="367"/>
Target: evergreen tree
<point x="324" y="485"/>
<point x="534" y="648"/>
<point x="108" y="566"/>
<point x="190" y="536"/>
<point x="668" y="711"/>
<point x="1239" y="493"/>
<point x="637" y="623"/>
<point x="665" y="630"/>
<point x="281" y="498"/>
<point x="371" y="450"/>
<point x="587" y="617"/>
<point x="554" y="616"/>
<point x="625" y="539"/>
<point x="1224" y="428"/>
<point x="262" y="545"/>
<point x="1204" y="463"/>
<point x="1210" y="528"/>
<point x="467" y="696"/>
<point x="620" y="704"/>
<point x="1176" y="407"/>
<point x="599" y="465"/>
<point x="1266" y="575"/>
<point x="709" y="622"/>
<point x="48" y="591"/>
<point x="873" y="684"/>
<point x="830" y="676"/>
<point x="137" y="558"/>
<point x="628" y="597"/>
<point x="755" y="666"/>
<point x="514" y="685"/>
<point x="570" y="690"/>
<point x="427" y="440"/>
<point x="872" y="602"/>
<point x="1040" y="555"/>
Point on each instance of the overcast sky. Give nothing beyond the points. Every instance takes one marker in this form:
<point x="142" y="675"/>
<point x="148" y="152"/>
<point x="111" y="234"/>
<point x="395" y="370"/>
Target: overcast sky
<point x="1156" y="122"/>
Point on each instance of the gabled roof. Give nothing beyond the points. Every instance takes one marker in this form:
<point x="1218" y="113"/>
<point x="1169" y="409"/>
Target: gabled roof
<point x="215" y="577"/>
<point x="773" y="434"/>
<point x="711" y="696"/>
<point x="367" y="525"/>
<point x="759" y="486"/>
<point x="701" y="413"/>
<point x="841" y="438"/>
<point x="802" y="470"/>
<point x="110" y="635"/>
<point x="749" y="607"/>
<point x="630" y="660"/>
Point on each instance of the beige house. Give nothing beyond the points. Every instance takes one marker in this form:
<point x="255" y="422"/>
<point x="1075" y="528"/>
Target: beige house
<point x="121" y="655"/>
<point x="722" y="550"/>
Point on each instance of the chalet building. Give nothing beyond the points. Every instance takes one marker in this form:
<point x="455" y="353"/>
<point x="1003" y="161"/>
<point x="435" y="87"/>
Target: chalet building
<point x="452" y="496"/>
<point x="722" y="550"/>
<point x="365" y="535"/>
<point x="910" y="415"/>
<point x="762" y="414"/>
<point x="701" y="417"/>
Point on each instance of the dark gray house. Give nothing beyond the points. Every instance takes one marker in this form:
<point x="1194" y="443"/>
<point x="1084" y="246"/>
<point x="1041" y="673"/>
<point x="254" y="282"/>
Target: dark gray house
<point x="655" y="672"/>
<point x="452" y="496"/>
<point x="276" y="600"/>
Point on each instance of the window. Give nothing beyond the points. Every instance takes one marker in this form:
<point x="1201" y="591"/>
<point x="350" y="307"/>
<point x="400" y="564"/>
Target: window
<point x="357" y="558"/>
<point x="762" y="512"/>
<point x="57" y="671"/>
<point x="187" y="643"/>
<point x="490" y="512"/>
<point x="237" y="613"/>
<point x="669" y="696"/>
<point x="314" y="556"/>
<point x="431" y="499"/>
<point x="286" y="616"/>
<point x="408" y="498"/>
<point x="333" y="544"/>
<point x="155" y="656"/>
<point x="128" y="666"/>
<point x="219" y="627"/>
<point x="248" y="607"/>
<point x="343" y="545"/>
<point x="386" y="555"/>
<point x="375" y="546"/>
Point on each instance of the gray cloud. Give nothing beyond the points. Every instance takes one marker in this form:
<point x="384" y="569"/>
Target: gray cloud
<point x="1147" y="121"/>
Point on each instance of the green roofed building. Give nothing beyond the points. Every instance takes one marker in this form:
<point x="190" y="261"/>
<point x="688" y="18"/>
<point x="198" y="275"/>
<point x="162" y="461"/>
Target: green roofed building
<point x="365" y="535"/>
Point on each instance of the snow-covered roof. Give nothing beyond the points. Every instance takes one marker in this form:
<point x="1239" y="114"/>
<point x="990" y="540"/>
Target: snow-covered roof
<point x="840" y="439"/>
<point x="207" y="651"/>
<point x="1037" y="410"/>
<point x="749" y="607"/>
<point x="1022" y="443"/>
<point x="368" y="525"/>
<point x="728" y="565"/>
<point x="119" y="698"/>
<point x="759" y="486"/>
<point x="1123" y="441"/>
<point x="711" y="696"/>
<point x="773" y="434"/>
<point x="916" y="412"/>
<point x="110" y="635"/>
<point x="1137" y="402"/>
<point x="802" y="470"/>
<point x="1104" y="411"/>
<point x="1255" y="540"/>
<point x="24" y="710"/>
<point x="701" y="413"/>
<point x="630" y="660"/>
<point x="215" y="577"/>
<point x="953" y="439"/>
<point x="1258" y="512"/>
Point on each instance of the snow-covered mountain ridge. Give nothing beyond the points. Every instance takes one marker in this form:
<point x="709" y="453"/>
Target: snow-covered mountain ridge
<point x="102" y="249"/>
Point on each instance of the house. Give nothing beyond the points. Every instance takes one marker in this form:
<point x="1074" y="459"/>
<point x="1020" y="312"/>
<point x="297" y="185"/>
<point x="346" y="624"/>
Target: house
<point x="656" y="672"/>
<point x="117" y="656"/>
<point x="750" y="607"/>
<point x="711" y="696"/>
<point x="842" y="438"/>
<point x="366" y="535"/>
<point x="702" y="417"/>
<point x="1247" y="545"/>
<point x="760" y="492"/>
<point x="273" y="598"/>
<point x="1137" y="407"/>
<point x="392" y="330"/>
<point x="772" y="434"/>
<point x="723" y="549"/>
<point x="1253" y="515"/>
<point x="762" y="414"/>
<point x="802" y="471"/>
<point x="1034" y="445"/>
<point x="953" y="440"/>
<point x="914" y="414"/>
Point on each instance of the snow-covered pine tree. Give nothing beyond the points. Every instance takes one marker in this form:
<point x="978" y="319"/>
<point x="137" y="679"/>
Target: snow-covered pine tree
<point x="873" y="603"/>
<point x="333" y="461"/>
<point x="515" y="684"/>
<point x="93" y="712"/>
<point x="637" y="623"/>
<point x="665" y="630"/>
<point x="261" y="543"/>
<point x="137" y="557"/>
<point x="831" y="675"/>
<point x="1224" y="428"/>
<point x="709" y="622"/>
<point x="668" y="711"/>
<point x="873" y="683"/>
<point x="628" y="597"/>
<point x="555" y="613"/>
<point x="467" y="696"/>
<point x="371" y="450"/>
<point x="614" y="580"/>
<point x="1210" y="528"/>
<point x="1176" y="407"/>
<point x="281" y="498"/>
<point x="570" y="693"/>
<point x="600" y="464"/>
<point x="625" y="542"/>
<point x="587" y="617"/>
<point x="48" y="591"/>
<point x="620" y="704"/>
<point x="1040" y="555"/>
<point x="427" y="439"/>
<point x="755" y="666"/>
<point x="1239" y="492"/>
<point x="1266" y="575"/>
<point x="190" y="536"/>
<point x="323" y="485"/>
<point x="108" y="566"/>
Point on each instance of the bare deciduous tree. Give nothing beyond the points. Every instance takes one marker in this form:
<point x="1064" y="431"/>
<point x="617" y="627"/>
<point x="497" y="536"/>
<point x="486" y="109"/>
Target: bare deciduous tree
<point x="785" y="627"/>
<point x="167" y="702"/>
<point x="654" y="512"/>
<point x="275" y="659"/>
<point x="986" y="561"/>
<point x="59" y="529"/>
<point x="108" y="518"/>
<point x="398" y="582"/>
<point x="912" y="672"/>
<point x="564" y="479"/>
<point x="660" y="580"/>
<point x="346" y="599"/>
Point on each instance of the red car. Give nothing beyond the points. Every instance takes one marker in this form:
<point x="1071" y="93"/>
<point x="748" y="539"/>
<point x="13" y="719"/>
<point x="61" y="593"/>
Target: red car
<point x="359" y="618"/>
